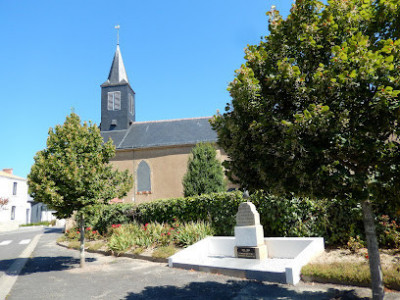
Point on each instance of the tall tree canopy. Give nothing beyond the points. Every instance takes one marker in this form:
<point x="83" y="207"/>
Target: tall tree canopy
<point x="72" y="173"/>
<point x="315" y="108"/>
<point x="204" y="172"/>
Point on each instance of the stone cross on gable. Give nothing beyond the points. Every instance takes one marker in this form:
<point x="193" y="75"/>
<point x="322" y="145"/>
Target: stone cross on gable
<point x="247" y="215"/>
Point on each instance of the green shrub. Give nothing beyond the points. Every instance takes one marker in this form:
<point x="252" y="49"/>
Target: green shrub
<point x="204" y="173"/>
<point x="219" y="209"/>
<point x="191" y="233"/>
<point x="289" y="217"/>
<point x="123" y="238"/>
<point x="388" y="232"/>
<point x="103" y="216"/>
<point x="154" y="235"/>
<point x="344" y="220"/>
<point x="336" y="221"/>
<point x="72" y="234"/>
<point x="355" y="243"/>
<point x="92" y="235"/>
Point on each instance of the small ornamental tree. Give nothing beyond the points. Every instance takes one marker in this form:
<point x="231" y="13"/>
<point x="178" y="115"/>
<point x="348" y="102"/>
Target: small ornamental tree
<point x="3" y="202"/>
<point x="315" y="108"/>
<point x="204" y="172"/>
<point x="73" y="174"/>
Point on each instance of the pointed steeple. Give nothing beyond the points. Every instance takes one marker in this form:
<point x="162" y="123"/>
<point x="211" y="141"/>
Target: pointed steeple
<point x="117" y="97"/>
<point x="117" y="73"/>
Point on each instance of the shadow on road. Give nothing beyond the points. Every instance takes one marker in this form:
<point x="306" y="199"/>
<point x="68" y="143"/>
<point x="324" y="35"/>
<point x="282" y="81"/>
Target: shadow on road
<point x="42" y="264"/>
<point x="53" y="230"/>
<point x="242" y="289"/>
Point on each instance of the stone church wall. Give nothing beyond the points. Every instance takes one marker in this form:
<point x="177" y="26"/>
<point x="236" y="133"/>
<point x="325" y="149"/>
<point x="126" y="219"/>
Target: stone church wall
<point x="167" y="168"/>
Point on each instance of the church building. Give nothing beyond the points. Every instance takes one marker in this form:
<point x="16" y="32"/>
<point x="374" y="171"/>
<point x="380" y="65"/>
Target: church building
<point x="154" y="152"/>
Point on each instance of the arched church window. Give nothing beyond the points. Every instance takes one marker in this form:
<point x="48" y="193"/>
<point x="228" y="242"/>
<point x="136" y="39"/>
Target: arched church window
<point x="143" y="177"/>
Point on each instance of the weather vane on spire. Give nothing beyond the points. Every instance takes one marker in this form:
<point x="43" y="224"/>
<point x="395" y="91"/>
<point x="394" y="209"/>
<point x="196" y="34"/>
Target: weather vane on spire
<point x="117" y="27"/>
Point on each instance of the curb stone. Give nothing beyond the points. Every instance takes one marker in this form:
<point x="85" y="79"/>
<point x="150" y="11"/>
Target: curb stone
<point x="128" y="255"/>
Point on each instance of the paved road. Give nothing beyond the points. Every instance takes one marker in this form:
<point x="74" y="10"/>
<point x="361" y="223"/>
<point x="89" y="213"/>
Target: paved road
<point x="53" y="273"/>
<point x="13" y="243"/>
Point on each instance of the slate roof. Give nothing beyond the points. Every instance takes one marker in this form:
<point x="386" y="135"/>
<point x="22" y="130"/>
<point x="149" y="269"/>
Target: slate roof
<point x="117" y="73"/>
<point x="162" y="133"/>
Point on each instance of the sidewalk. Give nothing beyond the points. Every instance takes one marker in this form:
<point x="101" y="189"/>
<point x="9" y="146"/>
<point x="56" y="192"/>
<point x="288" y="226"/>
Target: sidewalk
<point x="8" y="226"/>
<point x="53" y="273"/>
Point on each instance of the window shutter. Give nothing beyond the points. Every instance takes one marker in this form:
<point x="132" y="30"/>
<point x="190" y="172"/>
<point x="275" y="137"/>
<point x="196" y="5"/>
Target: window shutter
<point x="117" y="99"/>
<point x="131" y="104"/>
<point x="110" y="102"/>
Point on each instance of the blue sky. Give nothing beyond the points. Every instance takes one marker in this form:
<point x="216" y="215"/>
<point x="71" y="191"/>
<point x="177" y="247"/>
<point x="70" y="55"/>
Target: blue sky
<point x="179" y="55"/>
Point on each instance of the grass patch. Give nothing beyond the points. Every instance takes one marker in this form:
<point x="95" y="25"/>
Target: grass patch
<point x="74" y="244"/>
<point x="137" y="250"/>
<point x="61" y="239"/>
<point x="164" y="252"/>
<point x="351" y="273"/>
<point x="391" y="277"/>
<point x="94" y="246"/>
<point x="190" y="233"/>
<point x="44" y="223"/>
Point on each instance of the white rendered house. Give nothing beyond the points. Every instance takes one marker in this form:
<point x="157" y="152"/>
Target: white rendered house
<point x="18" y="209"/>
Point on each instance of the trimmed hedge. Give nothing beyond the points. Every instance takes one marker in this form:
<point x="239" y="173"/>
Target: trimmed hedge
<point x="104" y="216"/>
<point x="219" y="209"/>
<point x="334" y="220"/>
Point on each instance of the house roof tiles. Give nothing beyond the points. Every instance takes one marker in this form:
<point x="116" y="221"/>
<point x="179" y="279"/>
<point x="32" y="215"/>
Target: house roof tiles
<point x="11" y="176"/>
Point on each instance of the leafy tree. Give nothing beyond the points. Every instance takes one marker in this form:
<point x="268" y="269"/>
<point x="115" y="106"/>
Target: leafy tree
<point x="204" y="172"/>
<point x="72" y="173"/>
<point x="315" y="108"/>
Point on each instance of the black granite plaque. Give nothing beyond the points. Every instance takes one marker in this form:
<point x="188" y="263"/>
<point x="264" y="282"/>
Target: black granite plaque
<point x="246" y="252"/>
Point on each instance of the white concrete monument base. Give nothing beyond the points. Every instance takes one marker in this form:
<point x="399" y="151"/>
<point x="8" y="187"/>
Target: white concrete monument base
<point x="246" y="255"/>
<point x="286" y="257"/>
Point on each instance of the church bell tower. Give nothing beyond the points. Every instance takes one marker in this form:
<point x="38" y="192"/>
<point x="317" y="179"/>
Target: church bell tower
<point x="117" y="97"/>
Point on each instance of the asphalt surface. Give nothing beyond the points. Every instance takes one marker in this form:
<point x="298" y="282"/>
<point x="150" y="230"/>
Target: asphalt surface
<point x="53" y="272"/>
<point x="13" y="243"/>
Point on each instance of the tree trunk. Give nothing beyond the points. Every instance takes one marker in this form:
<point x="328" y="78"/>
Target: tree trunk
<point x="82" y="247"/>
<point x="373" y="252"/>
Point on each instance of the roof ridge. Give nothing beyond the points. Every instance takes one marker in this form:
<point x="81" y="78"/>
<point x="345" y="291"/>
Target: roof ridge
<point x="5" y="174"/>
<point x="126" y="134"/>
<point x="171" y="120"/>
<point x="114" y="130"/>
